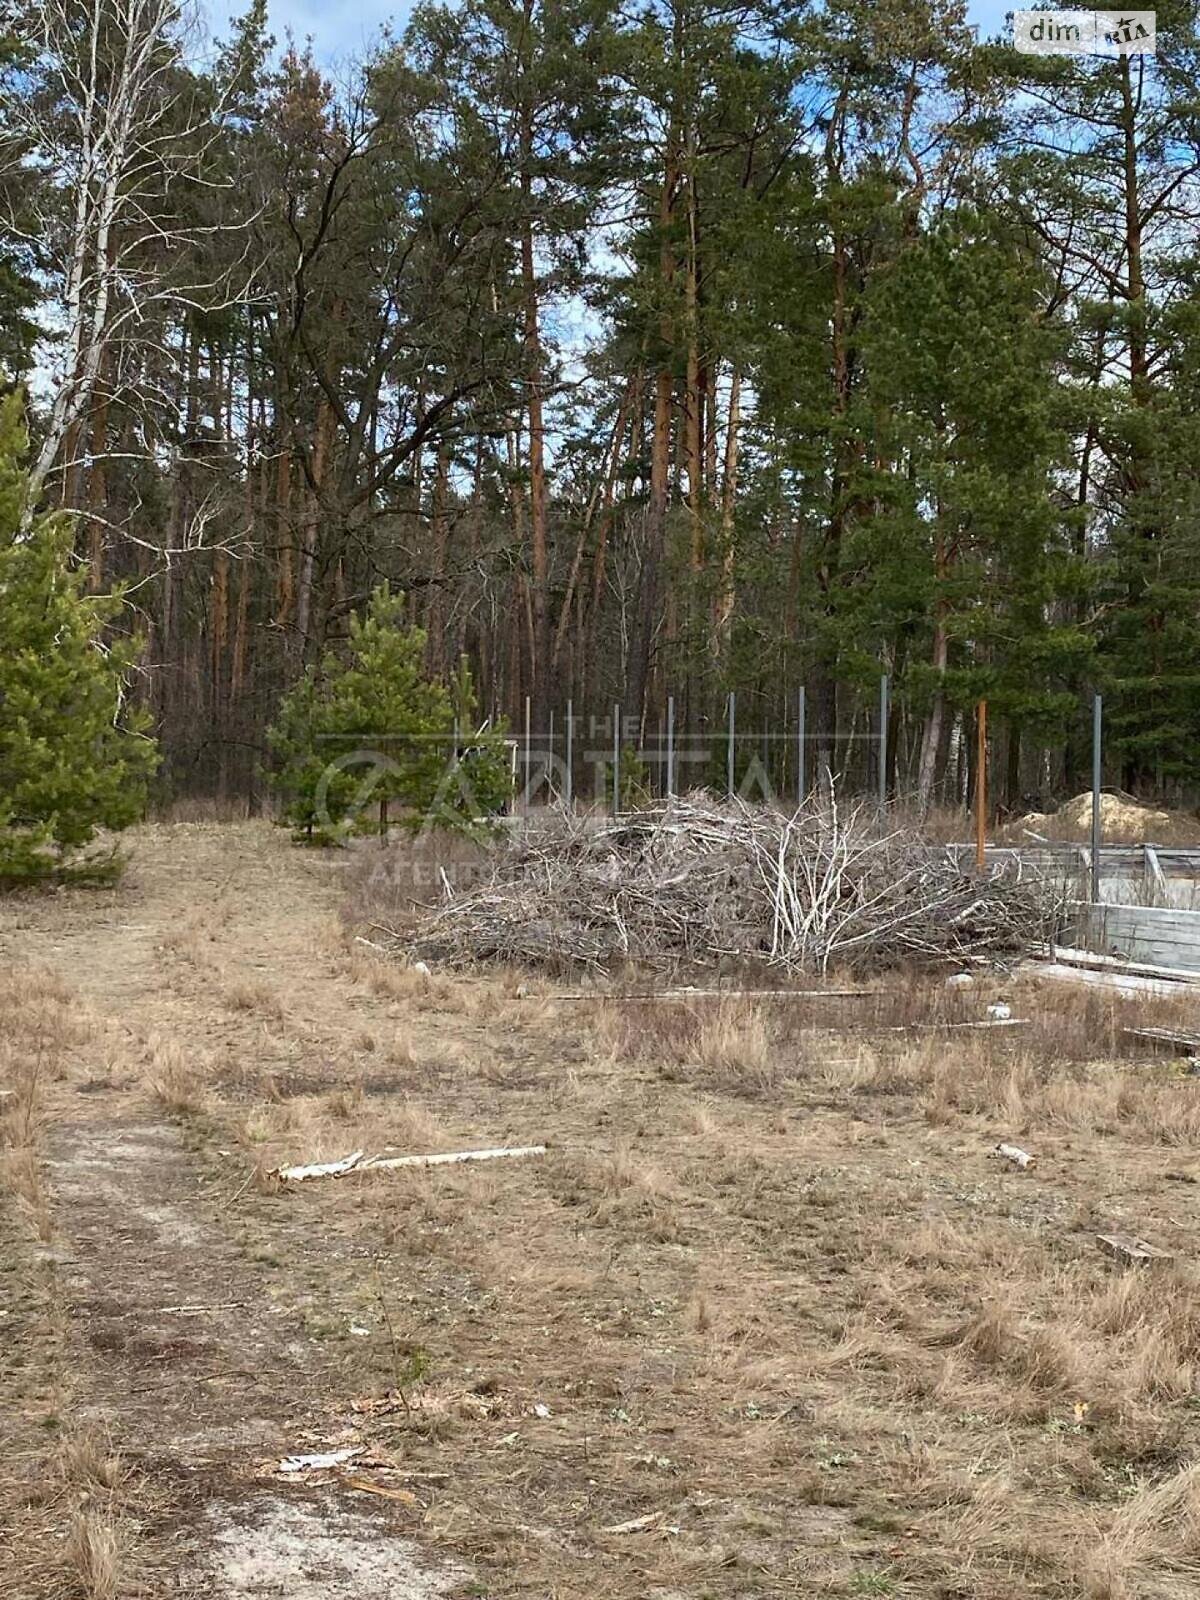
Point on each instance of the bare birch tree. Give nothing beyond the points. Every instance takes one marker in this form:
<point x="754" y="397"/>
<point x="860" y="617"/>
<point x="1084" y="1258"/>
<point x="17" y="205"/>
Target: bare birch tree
<point x="119" y="133"/>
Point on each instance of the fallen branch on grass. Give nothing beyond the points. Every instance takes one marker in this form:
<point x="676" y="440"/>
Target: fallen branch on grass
<point x="318" y="1169"/>
<point x="358" y="1163"/>
<point x="321" y="1461"/>
<point x="636" y="1524"/>
<point x="696" y="883"/>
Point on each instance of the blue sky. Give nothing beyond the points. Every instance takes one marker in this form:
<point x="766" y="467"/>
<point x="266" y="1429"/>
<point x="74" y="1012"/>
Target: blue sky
<point x="342" y="27"/>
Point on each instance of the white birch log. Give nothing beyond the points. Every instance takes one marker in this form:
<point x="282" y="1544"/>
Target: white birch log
<point x="1014" y="1153"/>
<point x="358" y="1163"/>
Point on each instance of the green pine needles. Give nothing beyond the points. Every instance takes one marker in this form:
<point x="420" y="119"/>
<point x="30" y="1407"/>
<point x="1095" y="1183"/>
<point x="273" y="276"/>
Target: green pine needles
<point x="75" y="754"/>
<point x="367" y="738"/>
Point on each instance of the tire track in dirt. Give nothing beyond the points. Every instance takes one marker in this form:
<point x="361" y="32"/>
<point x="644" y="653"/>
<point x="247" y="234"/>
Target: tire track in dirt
<point x="184" y="1351"/>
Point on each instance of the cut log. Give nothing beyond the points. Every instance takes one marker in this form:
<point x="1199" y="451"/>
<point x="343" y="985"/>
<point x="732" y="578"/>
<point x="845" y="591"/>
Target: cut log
<point x="318" y="1169"/>
<point x="1127" y="1247"/>
<point x="387" y="1163"/>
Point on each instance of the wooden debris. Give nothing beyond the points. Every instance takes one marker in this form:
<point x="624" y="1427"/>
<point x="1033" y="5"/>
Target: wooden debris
<point x="1120" y="984"/>
<point x="1175" y="1037"/>
<point x="386" y="1164"/>
<point x="1162" y="935"/>
<point x="636" y="1524"/>
<point x="697" y="882"/>
<point x="357" y="1162"/>
<point x="322" y="1461"/>
<point x="1127" y="1247"/>
<point x="1072" y="956"/>
<point x="949" y="1027"/>
<point x="1153" y="869"/>
<point x="385" y="1491"/>
<point x="318" y="1169"/>
<point x="1014" y="1153"/>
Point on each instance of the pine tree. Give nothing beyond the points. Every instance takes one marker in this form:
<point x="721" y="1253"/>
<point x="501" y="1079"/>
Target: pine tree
<point x="75" y="757"/>
<point x="371" y="729"/>
<point x="966" y="559"/>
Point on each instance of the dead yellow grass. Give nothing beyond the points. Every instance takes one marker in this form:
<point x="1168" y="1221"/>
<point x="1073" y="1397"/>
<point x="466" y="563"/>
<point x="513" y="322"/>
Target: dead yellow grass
<point x="769" y="1290"/>
<point x="87" y="1461"/>
<point x="93" y="1553"/>
<point x="46" y="1038"/>
<point x="39" y="1030"/>
<point x="256" y="996"/>
<point x="177" y="1080"/>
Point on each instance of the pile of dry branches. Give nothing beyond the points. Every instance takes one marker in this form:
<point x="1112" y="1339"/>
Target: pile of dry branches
<point x="698" y="883"/>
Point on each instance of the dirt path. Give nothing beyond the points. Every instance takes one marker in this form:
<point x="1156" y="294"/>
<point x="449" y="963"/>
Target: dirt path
<point x="179" y="1347"/>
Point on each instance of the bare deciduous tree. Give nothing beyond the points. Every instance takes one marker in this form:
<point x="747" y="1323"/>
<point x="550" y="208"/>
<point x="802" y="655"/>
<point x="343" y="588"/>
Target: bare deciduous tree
<point x="119" y="134"/>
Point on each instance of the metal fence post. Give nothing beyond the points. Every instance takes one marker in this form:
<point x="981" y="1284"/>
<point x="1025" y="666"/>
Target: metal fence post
<point x="570" y="753"/>
<point x="981" y="786"/>
<point x="729" y="774"/>
<point x="883" y="739"/>
<point x="528" y="752"/>
<point x="670" y="747"/>
<point x="616" y="764"/>
<point x="800" y="710"/>
<point x="1097" y="777"/>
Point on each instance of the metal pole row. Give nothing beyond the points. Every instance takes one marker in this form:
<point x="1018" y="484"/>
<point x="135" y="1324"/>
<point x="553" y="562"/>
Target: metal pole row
<point x="672" y="760"/>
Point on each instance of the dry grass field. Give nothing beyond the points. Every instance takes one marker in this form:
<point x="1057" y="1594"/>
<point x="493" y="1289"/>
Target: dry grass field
<point x="768" y="1319"/>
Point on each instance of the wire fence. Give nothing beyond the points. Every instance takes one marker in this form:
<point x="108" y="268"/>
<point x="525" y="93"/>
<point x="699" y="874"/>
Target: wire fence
<point x="615" y="762"/>
<point x="609" y="760"/>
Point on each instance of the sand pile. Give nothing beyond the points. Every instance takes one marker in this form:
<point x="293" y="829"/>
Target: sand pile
<point x="1123" y="820"/>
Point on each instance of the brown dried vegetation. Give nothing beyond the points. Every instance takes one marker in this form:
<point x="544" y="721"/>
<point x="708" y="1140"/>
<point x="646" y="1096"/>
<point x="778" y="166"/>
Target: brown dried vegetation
<point x="769" y="1302"/>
